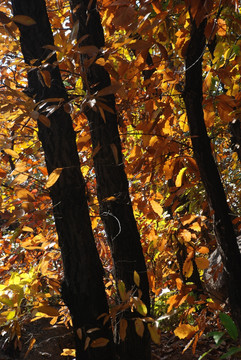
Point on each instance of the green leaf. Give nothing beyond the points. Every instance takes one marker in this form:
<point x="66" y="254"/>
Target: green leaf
<point x="229" y="325"/>
<point x="217" y="336"/>
<point x="203" y="355"/>
<point x="231" y="351"/>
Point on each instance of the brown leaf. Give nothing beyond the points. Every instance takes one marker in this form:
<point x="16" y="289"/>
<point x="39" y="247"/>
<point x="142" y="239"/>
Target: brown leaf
<point x="44" y="120"/>
<point x="123" y="327"/>
<point x="115" y="153"/>
<point x="46" y="77"/>
<point x="4" y="19"/>
<point x="24" y="20"/>
<point x="99" y="342"/>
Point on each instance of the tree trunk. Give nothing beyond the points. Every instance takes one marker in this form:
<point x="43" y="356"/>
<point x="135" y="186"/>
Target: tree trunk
<point x="83" y="289"/>
<point x="112" y="185"/>
<point x="223" y="227"/>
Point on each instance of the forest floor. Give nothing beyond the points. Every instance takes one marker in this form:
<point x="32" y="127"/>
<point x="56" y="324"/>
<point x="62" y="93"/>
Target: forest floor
<point x="51" y="340"/>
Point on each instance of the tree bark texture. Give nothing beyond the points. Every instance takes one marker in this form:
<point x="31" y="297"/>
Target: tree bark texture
<point x="83" y="289"/>
<point x="223" y="227"/>
<point x="116" y="213"/>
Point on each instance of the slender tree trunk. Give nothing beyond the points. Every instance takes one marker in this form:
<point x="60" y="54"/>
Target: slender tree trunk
<point x="112" y="185"/>
<point x="83" y="289"/>
<point x="224" y="231"/>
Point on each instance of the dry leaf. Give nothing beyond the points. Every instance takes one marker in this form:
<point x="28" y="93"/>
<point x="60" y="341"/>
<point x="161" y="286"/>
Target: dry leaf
<point x="24" y="20"/>
<point x="123" y="327"/>
<point x="115" y="153"/>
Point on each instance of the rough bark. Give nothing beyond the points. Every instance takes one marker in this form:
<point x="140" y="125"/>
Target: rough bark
<point x="117" y="214"/>
<point x="83" y="289"/>
<point x="224" y="231"/>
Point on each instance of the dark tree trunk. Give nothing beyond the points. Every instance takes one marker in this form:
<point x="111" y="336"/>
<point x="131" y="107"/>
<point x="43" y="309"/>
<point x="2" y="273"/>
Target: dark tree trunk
<point x="223" y="227"/>
<point x="83" y="289"/>
<point x="112" y="185"/>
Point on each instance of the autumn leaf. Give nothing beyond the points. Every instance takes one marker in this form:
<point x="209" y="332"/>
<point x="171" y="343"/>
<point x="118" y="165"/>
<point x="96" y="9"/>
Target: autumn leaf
<point x="202" y="263"/>
<point x="48" y="310"/>
<point x="115" y="153"/>
<point x="123" y="327"/>
<point x="155" y="333"/>
<point x="185" y="331"/>
<point x="156" y="207"/>
<point x="44" y="119"/>
<point x="46" y="77"/>
<point x="24" y="20"/>
<point x="122" y="290"/>
<point x="139" y="326"/>
<point x="53" y="177"/>
<point x="140" y="306"/>
<point x="187" y="268"/>
<point x="136" y="278"/>
<point x="179" y="178"/>
<point x="11" y="153"/>
<point x="100" y="342"/>
<point x="69" y="352"/>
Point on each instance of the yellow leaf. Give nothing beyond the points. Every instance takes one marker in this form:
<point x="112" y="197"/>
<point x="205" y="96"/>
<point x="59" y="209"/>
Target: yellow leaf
<point x="195" y="226"/>
<point x="155" y="333"/>
<point x="69" y="352"/>
<point x="185" y="330"/>
<point x="183" y="122"/>
<point x="100" y="342"/>
<point x="156" y="207"/>
<point x="139" y="326"/>
<point x="115" y="153"/>
<point x="11" y="153"/>
<point x="123" y="327"/>
<point x="179" y="177"/>
<point x="202" y="263"/>
<point x="136" y="278"/>
<point x="44" y="120"/>
<point x="27" y="229"/>
<point x="122" y="290"/>
<point x="187" y="268"/>
<point x="53" y="177"/>
<point x="140" y="306"/>
<point x="24" y="20"/>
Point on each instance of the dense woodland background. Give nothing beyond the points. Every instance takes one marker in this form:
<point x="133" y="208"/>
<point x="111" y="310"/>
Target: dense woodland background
<point x="120" y="175"/>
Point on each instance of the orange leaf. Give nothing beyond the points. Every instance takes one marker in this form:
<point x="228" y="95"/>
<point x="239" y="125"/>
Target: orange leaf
<point x="11" y="153"/>
<point x="187" y="268"/>
<point x="156" y="207"/>
<point x="202" y="263"/>
<point x="185" y="331"/>
<point x="203" y="250"/>
<point x="187" y="219"/>
<point x="46" y="77"/>
<point x="53" y="177"/>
